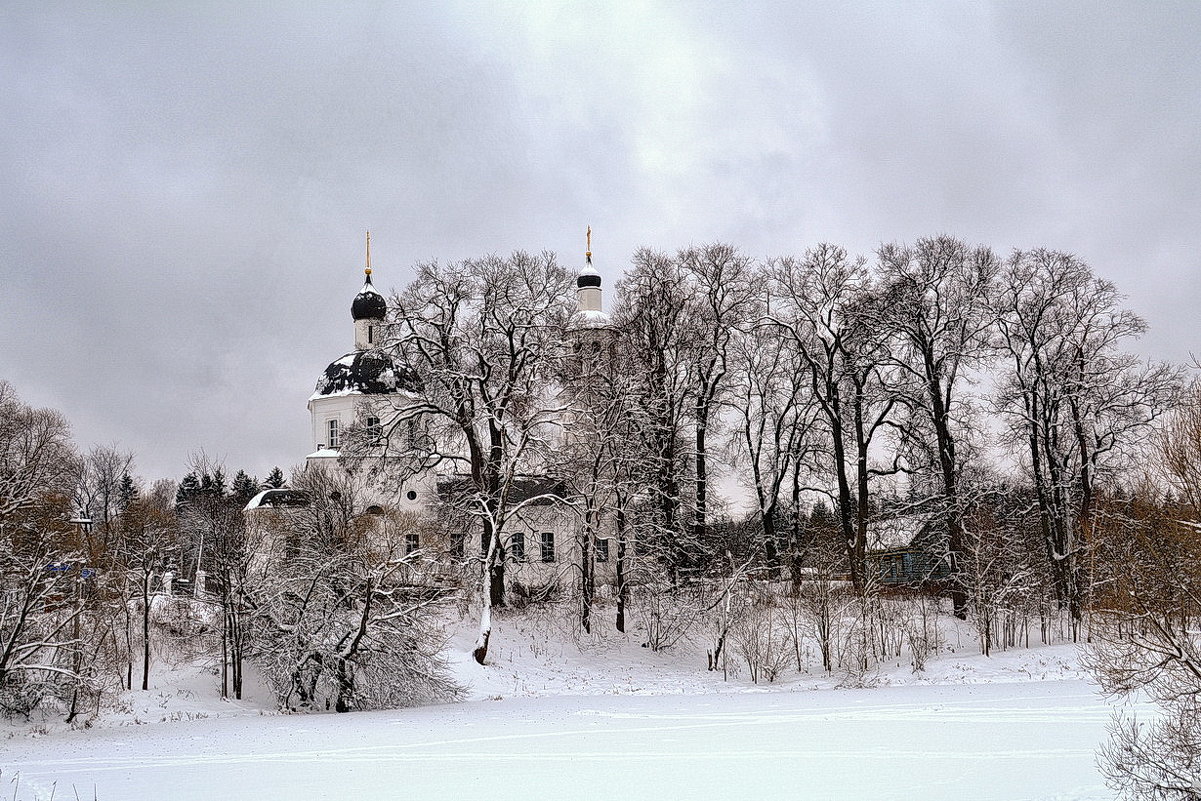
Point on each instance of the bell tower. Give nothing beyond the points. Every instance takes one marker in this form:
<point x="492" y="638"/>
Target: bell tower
<point x="590" y="334"/>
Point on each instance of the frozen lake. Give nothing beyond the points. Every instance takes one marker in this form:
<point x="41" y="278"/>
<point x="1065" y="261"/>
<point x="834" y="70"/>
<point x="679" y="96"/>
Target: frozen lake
<point x="994" y="741"/>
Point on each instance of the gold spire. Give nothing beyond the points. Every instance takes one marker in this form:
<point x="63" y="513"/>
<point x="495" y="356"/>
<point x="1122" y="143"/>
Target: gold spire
<point x="588" y="253"/>
<point x="368" y="270"/>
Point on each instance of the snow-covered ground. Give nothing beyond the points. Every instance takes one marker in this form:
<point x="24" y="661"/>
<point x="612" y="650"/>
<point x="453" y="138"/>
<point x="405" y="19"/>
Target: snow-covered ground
<point x="557" y="716"/>
<point x="993" y="741"/>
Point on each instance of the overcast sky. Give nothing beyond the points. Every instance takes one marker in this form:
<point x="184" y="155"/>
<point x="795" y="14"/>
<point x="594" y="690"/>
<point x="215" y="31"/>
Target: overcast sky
<point x="184" y="187"/>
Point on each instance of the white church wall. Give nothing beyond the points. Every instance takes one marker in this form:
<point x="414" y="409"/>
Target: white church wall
<point x="331" y="407"/>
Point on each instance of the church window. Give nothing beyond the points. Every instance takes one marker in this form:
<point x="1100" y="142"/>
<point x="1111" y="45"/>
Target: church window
<point x="412" y="542"/>
<point x="370" y="334"/>
<point x="517" y="546"/>
<point x="374" y="431"/>
<point x="602" y="550"/>
<point x="411" y="495"/>
<point x="548" y="546"/>
<point x="333" y="434"/>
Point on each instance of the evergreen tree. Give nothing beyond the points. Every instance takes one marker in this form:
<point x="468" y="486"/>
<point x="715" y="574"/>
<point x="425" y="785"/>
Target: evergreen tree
<point x="127" y="491"/>
<point x="245" y="487"/>
<point x="219" y="488"/>
<point x="189" y="488"/>
<point x="275" y="479"/>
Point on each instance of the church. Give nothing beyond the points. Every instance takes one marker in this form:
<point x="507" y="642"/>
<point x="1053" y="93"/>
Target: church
<point x="359" y="390"/>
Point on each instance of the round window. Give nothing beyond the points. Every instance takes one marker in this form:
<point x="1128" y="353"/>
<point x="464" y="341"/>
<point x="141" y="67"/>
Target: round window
<point x="411" y="495"/>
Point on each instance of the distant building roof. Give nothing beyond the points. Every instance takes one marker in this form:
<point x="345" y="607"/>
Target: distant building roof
<point x="538" y="491"/>
<point x="278" y="499"/>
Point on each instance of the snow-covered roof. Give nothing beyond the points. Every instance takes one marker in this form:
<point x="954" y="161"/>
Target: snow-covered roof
<point x="366" y="372"/>
<point x="277" y="498"/>
<point x="323" y="453"/>
<point x="898" y="532"/>
<point x="590" y="318"/>
<point x="538" y="490"/>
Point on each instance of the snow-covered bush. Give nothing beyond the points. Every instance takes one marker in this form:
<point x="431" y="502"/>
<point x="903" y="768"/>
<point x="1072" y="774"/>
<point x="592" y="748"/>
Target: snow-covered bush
<point x="336" y="625"/>
<point x="666" y="613"/>
<point x="763" y="640"/>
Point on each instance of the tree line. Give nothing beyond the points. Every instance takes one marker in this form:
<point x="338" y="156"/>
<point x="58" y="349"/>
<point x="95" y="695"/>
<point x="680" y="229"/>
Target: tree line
<point x="937" y="382"/>
<point x="984" y="409"/>
<point x="102" y="575"/>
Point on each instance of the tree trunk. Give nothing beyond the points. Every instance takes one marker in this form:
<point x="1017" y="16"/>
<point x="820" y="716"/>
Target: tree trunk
<point x="587" y="573"/>
<point x="621" y="564"/>
<point x="700" y="523"/>
<point x="145" y="631"/>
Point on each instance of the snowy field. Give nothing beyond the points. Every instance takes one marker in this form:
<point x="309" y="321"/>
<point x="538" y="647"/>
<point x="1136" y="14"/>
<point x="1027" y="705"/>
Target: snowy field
<point x="556" y="716"/>
<point x="982" y="741"/>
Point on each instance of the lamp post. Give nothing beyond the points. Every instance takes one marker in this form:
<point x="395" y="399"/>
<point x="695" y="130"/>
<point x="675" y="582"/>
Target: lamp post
<point x="84" y="524"/>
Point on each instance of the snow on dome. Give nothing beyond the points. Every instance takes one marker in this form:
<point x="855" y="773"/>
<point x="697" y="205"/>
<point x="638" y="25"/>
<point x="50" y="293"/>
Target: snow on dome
<point x="366" y="372"/>
<point x="588" y="277"/>
<point x="589" y="318"/>
<point x="369" y="304"/>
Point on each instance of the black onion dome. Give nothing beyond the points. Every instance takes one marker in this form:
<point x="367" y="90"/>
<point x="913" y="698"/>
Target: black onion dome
<point x="368" y="372"/>
<point x="588" y="279"/>
<point x="369" y="304"/>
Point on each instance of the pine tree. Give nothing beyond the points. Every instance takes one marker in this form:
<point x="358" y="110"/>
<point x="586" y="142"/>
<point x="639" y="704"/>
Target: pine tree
<point x="275" y="479"/>
<point x="245" y="487"/>
<point x="127" y="491"/>
<point x="219" y="488"/>
<point x="189" y="488"/>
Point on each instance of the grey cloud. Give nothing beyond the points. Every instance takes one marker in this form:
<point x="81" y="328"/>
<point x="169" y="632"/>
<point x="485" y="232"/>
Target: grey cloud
<point x="185" y="188"/>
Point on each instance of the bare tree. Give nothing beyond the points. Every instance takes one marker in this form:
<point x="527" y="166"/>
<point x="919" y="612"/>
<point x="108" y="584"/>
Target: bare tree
<point x="652" y="313"/>
<point x="718" y="280"/>
<point x="484" y="336"/>
<point x="938" y="300"/>
<point x="828" y="309"/>
<point x="211" y="519"/>
<point x="98" y="492"/>
<point x="1144" y="626"/>
<point x="775" y="417"/>
<point x="36" y="454"/>
<point x="596" y="404"/>
<point x="41" y="559"/>
<point x="149" y="539"/>
<point x="1075" y="401"/>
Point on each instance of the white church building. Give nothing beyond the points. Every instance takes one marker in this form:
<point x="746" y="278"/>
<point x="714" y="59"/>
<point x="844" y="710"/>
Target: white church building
<point x="541" y="542"/>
